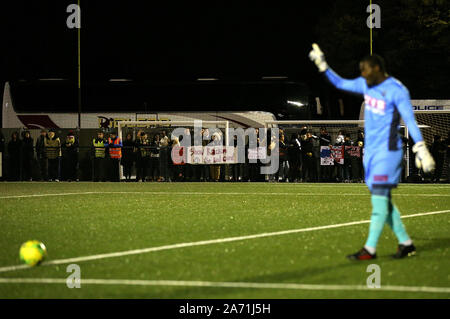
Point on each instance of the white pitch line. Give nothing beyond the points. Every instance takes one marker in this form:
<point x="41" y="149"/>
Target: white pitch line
<point x="203" y="242"/>
<point x="45" y="195"/>
<point x="219" y="284"/>
<point x="215" y="193"/>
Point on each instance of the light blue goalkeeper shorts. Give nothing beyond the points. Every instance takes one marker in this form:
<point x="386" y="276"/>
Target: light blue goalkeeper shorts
<point x="383" y="168"/>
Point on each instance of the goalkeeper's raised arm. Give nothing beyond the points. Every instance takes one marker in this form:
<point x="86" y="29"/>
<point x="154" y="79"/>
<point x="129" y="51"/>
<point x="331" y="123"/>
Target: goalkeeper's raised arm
<point x="355" y="85"/>
<point x="385" y="99"/>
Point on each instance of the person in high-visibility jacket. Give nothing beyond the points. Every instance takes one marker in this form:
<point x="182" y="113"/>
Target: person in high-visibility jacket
<point x="99" y="147"/>
<point x="53" y="151"/>
<point x="115" y="154"/>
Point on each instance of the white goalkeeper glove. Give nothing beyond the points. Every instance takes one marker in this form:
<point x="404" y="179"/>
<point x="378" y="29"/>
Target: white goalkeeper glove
<point x="424" y="160"/>
<point x="316" y="55"/>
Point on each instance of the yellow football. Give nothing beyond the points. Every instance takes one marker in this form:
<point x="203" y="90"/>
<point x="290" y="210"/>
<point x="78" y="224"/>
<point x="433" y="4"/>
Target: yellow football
<point x="32" y="252"/>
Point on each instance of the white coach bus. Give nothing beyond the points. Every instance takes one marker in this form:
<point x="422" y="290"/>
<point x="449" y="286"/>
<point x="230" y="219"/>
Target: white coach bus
<point x="26" y="105"/>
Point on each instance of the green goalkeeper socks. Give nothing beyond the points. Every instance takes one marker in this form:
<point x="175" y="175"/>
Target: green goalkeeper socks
<point x="395" y="222"/>
<point x="380" y="212"/>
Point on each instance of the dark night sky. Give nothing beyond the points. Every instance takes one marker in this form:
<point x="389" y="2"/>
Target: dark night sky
<point x="179" y="40"/>
<point x="171" y="42"/>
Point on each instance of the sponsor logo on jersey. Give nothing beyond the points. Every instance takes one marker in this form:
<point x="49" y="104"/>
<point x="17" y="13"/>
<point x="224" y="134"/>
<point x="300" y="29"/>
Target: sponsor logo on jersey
<point x="380" y="178"/>
<point x="374" y="105"/>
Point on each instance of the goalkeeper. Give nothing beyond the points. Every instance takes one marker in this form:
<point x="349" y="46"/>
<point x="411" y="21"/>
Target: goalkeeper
<point x="386" y="100"/>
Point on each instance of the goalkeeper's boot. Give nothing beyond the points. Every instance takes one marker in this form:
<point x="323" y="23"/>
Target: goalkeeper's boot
<point x="405" y="251"/>
<point x="362" y="254"/>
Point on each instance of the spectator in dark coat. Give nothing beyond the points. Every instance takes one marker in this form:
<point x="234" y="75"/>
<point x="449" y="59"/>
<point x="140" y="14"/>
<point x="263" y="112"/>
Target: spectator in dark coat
<point x="347" y="158"/>
<point x="14" y="150"/>
<point x="360" y="167"/>
<point x="154" y="159"/>
<point x="283" y="159"/>
<point x="27" y="156"/>
<point x="143" y="157"/>
<point x="315" y="140"/>
<point x="41" y="155"/>
<point x="238" y="168"/>
<point x="295" y="155"/>
<point x="164" y="156"/>
<point x="307" y="157"/>
<point x="70" y="157"/>
<point x="438" y="150"/>
<point x="340" y="139"/>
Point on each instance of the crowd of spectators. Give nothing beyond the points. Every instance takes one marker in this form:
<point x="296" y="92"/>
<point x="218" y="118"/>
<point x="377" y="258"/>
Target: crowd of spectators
<point x="304" y="156"/>
<point x="55" y="159"/>
<point x="310" y="157"/>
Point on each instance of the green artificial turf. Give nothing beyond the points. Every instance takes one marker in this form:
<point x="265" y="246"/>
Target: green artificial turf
<point x="117" y="217"/>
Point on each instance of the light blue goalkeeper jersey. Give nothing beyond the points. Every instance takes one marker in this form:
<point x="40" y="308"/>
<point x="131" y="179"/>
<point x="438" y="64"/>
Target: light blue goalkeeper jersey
<point x="385" y="103"/>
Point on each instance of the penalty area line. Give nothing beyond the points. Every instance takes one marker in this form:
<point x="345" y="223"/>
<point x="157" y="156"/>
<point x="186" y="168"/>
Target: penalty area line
<point x="204" y="242"/>
<point x="218" y="284"/>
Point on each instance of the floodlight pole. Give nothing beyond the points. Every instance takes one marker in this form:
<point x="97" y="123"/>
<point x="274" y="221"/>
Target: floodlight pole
<point x="371" y="27"/>
<point x="79" y="71"/>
